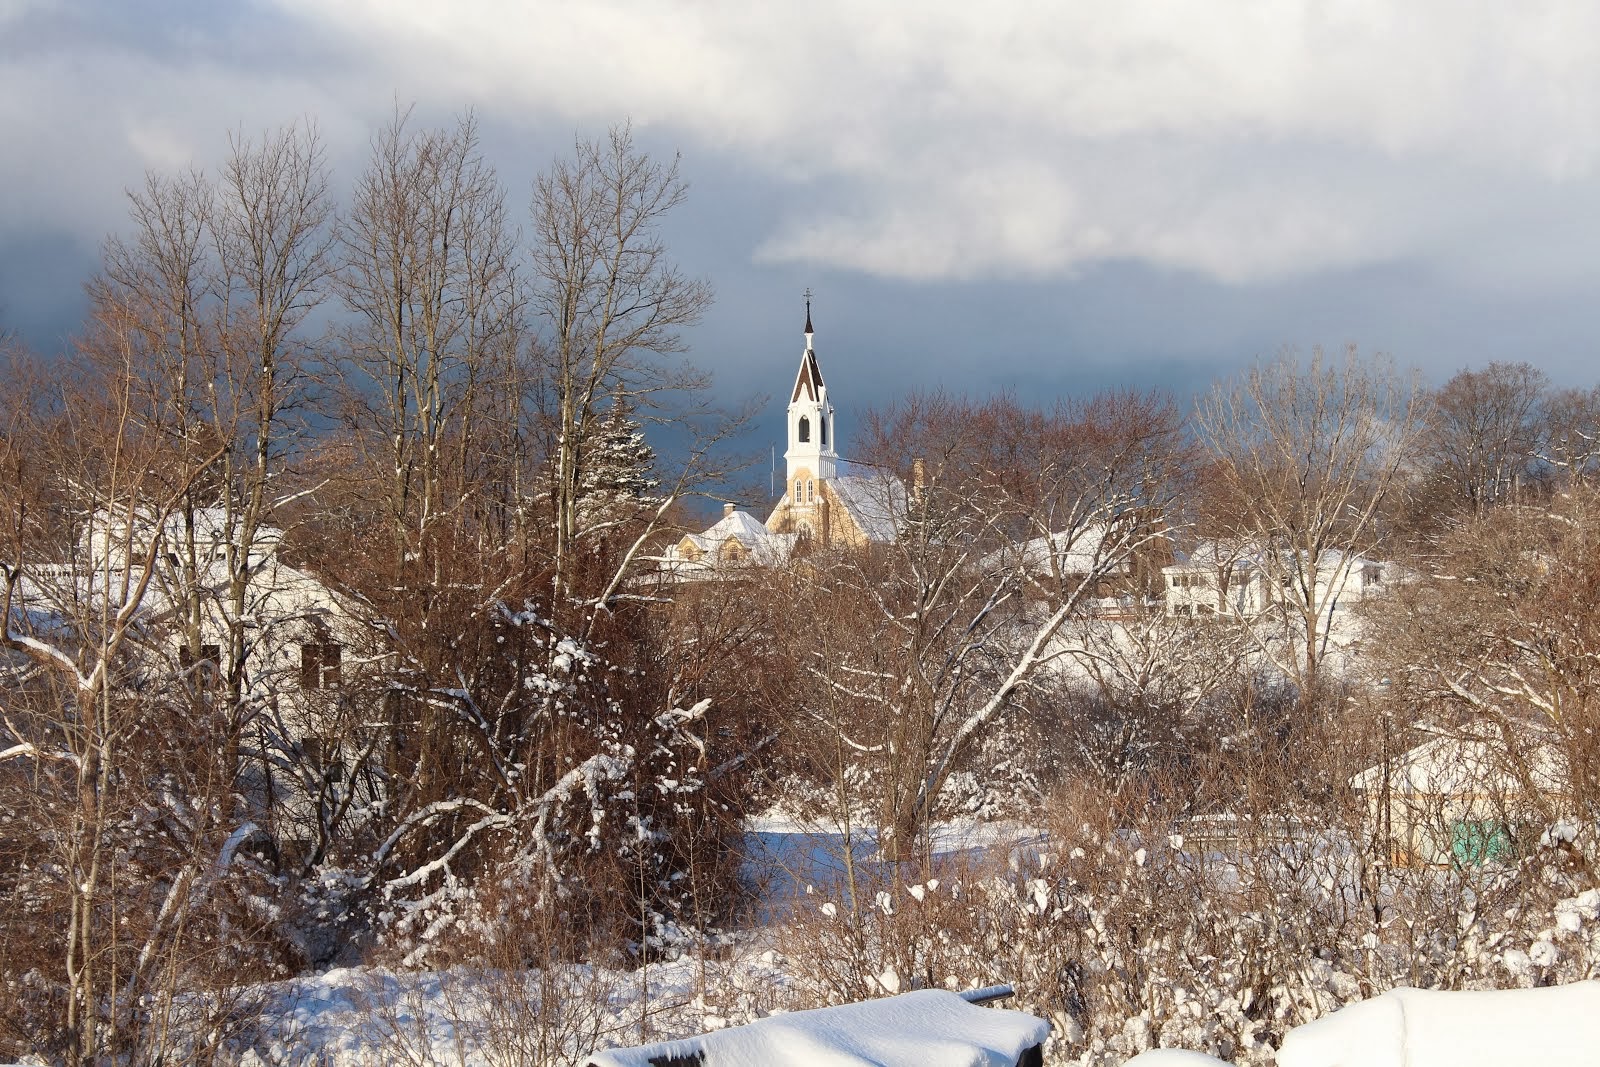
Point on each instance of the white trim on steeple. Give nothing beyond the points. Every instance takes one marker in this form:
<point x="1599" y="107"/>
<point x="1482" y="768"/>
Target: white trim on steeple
<point x="811" y="423"/>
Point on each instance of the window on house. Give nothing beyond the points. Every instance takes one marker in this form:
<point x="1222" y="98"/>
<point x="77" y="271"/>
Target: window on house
<point x="208" y="654"/>
<point x="805" y="428"/>
<point x="207" y="663"/>
<point x="319" y="665"/>
<point x="798" y="486"/>
<point x="811" y="492"/>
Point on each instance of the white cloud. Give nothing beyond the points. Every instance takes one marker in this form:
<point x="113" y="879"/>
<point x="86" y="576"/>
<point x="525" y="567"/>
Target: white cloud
<point x="1243" y="139"/>
<point x="970" y="140"/>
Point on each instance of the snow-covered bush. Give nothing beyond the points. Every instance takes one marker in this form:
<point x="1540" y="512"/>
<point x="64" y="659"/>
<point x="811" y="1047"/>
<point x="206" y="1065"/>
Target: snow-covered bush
<point x="552" y="796"/>
<point x="1128" y="936"/>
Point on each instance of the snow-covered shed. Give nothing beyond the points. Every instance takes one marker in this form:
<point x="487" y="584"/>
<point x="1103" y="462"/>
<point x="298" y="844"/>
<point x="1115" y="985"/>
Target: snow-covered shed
<point x="1463" y="797"/>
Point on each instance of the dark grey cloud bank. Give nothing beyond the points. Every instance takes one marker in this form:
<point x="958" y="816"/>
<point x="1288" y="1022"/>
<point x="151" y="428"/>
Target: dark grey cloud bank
<point x="1042" y="203"/>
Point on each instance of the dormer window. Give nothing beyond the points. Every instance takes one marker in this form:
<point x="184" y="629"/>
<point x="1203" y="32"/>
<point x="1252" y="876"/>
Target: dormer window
<point x="805" y="428"/>
<point x="319" y="665"/>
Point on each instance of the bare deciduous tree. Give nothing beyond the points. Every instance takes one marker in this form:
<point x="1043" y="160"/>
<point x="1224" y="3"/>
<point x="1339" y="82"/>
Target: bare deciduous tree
<point x="610" y="303"/>
<point x="1012" y="523"/>
<point x="430" y="273"/>
<point x="1306" y="453"/>
<point x="1484" y="435"/>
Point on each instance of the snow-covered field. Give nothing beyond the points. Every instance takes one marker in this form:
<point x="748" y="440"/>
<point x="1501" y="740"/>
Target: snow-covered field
<point x="371" y="1017"/>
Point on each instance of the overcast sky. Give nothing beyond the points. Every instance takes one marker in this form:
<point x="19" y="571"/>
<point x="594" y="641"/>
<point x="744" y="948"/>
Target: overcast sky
<point x="1045" y="197"/>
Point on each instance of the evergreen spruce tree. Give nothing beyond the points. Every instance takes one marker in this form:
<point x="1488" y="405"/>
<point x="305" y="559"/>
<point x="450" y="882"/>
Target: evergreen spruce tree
<point x="615" y="481"/>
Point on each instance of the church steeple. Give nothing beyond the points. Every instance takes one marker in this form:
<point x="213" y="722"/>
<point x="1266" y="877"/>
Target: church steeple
<point x="810" y="455"/>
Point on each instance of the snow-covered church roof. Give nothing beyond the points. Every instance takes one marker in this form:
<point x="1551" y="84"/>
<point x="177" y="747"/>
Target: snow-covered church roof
<point x="876" y="502"/>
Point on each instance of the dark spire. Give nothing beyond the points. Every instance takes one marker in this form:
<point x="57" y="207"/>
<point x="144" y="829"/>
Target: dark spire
<point x="809" y="330"/>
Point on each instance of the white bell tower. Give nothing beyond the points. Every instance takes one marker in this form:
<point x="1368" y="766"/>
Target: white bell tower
<point x="810" y="456"/>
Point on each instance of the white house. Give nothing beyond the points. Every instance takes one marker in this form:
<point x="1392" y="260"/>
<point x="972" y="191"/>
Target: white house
<point x="302" y="648"/>
<point x="1243" y="581"/>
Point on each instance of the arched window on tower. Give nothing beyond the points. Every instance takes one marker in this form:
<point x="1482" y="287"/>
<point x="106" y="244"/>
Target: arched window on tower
<point x="823" y="428"/>
<point x="798" y="485"/>
<point x="811" y="492"/>
<point x="805" y="428"/>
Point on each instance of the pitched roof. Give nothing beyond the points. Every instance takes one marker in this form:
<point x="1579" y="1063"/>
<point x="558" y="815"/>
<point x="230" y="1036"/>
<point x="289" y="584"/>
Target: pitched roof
<point x="1477" y="762"/>
<point x="764" y="546"/>
<point x="1076" y="551"/>
<point x="877" y="503"/>
<point x="809" y="380"/>
<point x="1216" y="555"/>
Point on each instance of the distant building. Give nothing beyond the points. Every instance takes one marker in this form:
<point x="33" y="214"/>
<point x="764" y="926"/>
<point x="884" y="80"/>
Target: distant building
<point x="1463" y="798"/>
<point x="1243" y="581"/>
<point x="303" y="646"/>
<point x="822" y="499"/>
<point x="825" y="502"/>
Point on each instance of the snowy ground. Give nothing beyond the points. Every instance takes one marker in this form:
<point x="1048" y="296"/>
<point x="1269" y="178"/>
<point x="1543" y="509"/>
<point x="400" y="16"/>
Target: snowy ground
<point x="366" y="1016"/>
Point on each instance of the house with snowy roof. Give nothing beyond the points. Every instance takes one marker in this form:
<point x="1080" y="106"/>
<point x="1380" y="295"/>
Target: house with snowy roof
<point x="737" y="540"/>
<point x="216" y="614"/>
<point x="1243" y="580"/>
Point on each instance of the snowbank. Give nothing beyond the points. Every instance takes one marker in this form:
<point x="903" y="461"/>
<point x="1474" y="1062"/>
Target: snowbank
<point x="1557" y="1026"/>
<point x="928" y="1028"/>
<point x="1175" y="1057"/>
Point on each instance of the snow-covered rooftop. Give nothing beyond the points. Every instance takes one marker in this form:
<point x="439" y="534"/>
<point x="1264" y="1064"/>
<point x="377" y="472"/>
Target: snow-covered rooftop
<point x="764" y="547"/>
<point x="1452" y="764"/>
<point x="876" y="501"/>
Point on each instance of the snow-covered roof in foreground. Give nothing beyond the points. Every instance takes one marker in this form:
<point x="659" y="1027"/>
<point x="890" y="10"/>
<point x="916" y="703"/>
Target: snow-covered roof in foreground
<point x="1556" y="1026"/>
<point x="927" y="1028"/>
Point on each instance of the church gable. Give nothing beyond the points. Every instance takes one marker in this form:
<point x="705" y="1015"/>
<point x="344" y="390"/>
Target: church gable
<point x="808" y="383"/>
